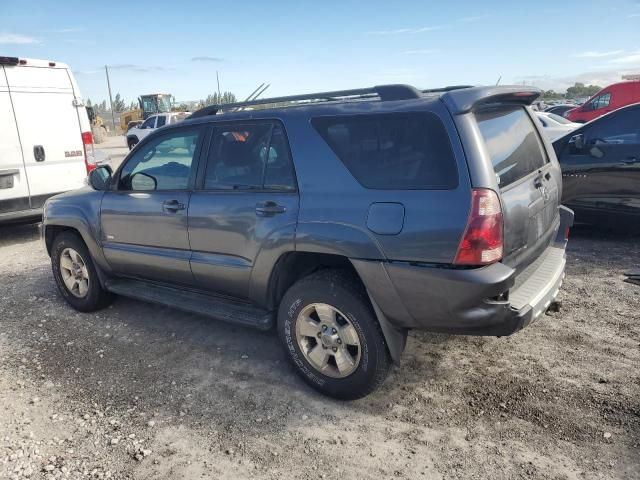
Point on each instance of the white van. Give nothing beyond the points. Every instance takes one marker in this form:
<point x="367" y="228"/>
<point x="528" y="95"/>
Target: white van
<point x="46" y="146"/>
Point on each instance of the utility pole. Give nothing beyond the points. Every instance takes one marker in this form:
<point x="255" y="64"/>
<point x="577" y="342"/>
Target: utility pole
<point x="218" y="80"/>
<point x="113" y="118"/>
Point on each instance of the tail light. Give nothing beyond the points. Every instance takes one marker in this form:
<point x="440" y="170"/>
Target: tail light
<point x="482" y="242"/>
<point x="89" y="154"/>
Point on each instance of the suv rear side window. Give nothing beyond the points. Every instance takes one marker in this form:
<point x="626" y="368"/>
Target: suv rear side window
<point x="395" y="151"/>
<point x="512" y="142"/>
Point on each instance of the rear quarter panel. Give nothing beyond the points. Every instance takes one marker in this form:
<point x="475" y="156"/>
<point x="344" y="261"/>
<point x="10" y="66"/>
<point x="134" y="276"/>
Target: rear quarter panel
<point x="334" y="207"/>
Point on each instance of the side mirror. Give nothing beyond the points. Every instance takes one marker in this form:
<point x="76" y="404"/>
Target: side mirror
<point x="595" y="152"/>
<point x="578" y="141"/>
<point x="100" y="178"/>
<point x="143" y="182"/>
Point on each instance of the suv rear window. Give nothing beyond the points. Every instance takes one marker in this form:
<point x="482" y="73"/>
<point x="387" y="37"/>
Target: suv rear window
<point x="512" y="142"/>
<point x="396" y="151"/>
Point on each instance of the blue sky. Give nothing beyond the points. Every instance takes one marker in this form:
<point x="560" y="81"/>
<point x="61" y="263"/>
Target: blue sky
<point x="303" y="46"/>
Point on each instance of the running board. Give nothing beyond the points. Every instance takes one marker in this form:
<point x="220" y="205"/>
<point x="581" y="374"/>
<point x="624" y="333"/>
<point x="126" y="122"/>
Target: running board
<point x="218" y="307"/>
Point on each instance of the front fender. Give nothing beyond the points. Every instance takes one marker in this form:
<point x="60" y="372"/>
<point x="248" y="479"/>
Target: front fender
<point x="80" y="211"/>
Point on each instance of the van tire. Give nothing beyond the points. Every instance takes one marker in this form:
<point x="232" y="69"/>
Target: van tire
<point x="96" y="297"/>
<point x="132" y="142"/>
<point x="344" y="293"/>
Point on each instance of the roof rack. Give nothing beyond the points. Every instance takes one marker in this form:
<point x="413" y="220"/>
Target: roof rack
<point x="382" y="92"/>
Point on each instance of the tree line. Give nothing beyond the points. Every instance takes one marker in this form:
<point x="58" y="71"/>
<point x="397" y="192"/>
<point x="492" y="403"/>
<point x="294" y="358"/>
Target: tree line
<point x="120" y="105"/>
<point x="578" y="90"/>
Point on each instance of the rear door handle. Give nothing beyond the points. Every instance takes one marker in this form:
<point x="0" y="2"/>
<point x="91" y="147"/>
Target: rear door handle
<point x="172" y="206"/>
<point x="269" y="209"/>
<point x="630" y="160"/>
<point x="38" y="153"/>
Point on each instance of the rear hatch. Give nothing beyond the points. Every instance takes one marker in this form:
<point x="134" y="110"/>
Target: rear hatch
<point x="528" y="181"/>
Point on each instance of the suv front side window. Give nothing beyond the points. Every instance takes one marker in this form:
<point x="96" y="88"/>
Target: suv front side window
<point x="620" y="128"/>
<point x="162" y="120"/>
<point x="162" y="164"/>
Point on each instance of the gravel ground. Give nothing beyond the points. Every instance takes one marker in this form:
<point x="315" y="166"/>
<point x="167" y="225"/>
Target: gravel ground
<point x="141" y="391"/>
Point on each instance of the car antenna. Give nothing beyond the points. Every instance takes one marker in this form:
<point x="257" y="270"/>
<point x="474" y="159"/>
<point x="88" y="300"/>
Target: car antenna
<point x="498" y="82"/>
<point x="254" y="92"/>
<point x="261" y="91"/>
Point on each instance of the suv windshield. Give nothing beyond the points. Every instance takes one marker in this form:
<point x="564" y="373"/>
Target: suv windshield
<point x="156" y="103"/>
<point x="512" y="142"/>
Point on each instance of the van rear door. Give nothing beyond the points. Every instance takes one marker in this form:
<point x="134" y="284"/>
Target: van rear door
<point x="14" y="189"/>
<point x="48" y="122"/>
<point x="529" y="182"/>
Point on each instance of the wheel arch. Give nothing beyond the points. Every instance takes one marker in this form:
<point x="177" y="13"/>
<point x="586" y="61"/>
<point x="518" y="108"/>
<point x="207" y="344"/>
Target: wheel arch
<point x="293" y="266"/>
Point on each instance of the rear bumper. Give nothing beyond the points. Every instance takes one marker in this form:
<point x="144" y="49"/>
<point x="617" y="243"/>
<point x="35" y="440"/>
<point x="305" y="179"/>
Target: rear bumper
<point x="491" y="300"/>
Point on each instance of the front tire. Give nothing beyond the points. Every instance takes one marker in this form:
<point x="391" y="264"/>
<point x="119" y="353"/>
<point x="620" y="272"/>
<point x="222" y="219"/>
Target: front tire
<point x="75" y="274"/>
<point x="132" y="142"/>
<point x="332" y="336"/>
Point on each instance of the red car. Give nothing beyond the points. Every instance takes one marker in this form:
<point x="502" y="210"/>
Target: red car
<point x="606" y="100"/>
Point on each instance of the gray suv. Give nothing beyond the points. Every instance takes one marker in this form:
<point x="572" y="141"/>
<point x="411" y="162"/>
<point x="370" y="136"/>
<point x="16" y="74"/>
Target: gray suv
<point x="343" y="218"/>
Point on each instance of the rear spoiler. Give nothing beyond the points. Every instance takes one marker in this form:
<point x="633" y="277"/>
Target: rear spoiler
<point x="467" y="99"/>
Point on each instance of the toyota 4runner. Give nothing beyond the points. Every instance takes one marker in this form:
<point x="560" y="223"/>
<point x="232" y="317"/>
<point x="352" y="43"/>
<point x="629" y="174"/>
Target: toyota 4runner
<point x="344" y="218"/>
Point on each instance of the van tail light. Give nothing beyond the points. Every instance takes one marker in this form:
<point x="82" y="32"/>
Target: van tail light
<point x="482" y="242"/>
<point x="89" y="154"/>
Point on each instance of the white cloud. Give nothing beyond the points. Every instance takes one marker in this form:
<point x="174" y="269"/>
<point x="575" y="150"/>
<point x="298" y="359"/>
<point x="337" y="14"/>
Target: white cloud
<point x="206" y="59"/>
<point x="401" y="31"/>
<point x="426" y="51"/>
<point x="16" y="39"/>
<point x="560" y="84"/>
<point x="633" y="15"/>
<point x="594" y="54"/>
<point x="475" y="18"/>
<point x="68" y="30"/>
<point x="633" y="57"/>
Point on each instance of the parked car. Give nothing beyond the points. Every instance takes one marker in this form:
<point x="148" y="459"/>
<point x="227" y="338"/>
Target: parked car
<point x="46" y="146"/>
<point x="601" y="169"/>
<point x="133" y="123"/>
<point x="606" y="100"/>
<point x="136" y="133"/>
<point x="346" y="219"/>
<point x="555" y="126"/>
<point x="560" y="109"/>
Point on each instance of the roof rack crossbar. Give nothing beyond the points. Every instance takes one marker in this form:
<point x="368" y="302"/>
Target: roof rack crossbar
<point x="384" y="92"/>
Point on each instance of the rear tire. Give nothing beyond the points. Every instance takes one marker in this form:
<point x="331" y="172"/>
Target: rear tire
<point x="132" y="142"/>
<point x="355" y="357"/>
<point x="75" y="274"/>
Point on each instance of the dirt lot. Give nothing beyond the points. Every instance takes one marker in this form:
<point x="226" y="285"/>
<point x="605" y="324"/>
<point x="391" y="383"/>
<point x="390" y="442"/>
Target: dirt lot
<point x="141" y="391"/>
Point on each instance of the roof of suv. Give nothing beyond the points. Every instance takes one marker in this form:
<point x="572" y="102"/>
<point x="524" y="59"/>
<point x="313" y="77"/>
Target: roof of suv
<point x="459" y="99"/>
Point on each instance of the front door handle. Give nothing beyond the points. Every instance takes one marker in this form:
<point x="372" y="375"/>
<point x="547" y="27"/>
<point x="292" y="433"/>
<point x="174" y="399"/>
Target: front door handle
<point x="630" y="160"/>
<point x="38" y="153"/>
<point x="172" y="206"/>
<point x="269" y="209"/>
<point x="537" y="182"/>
